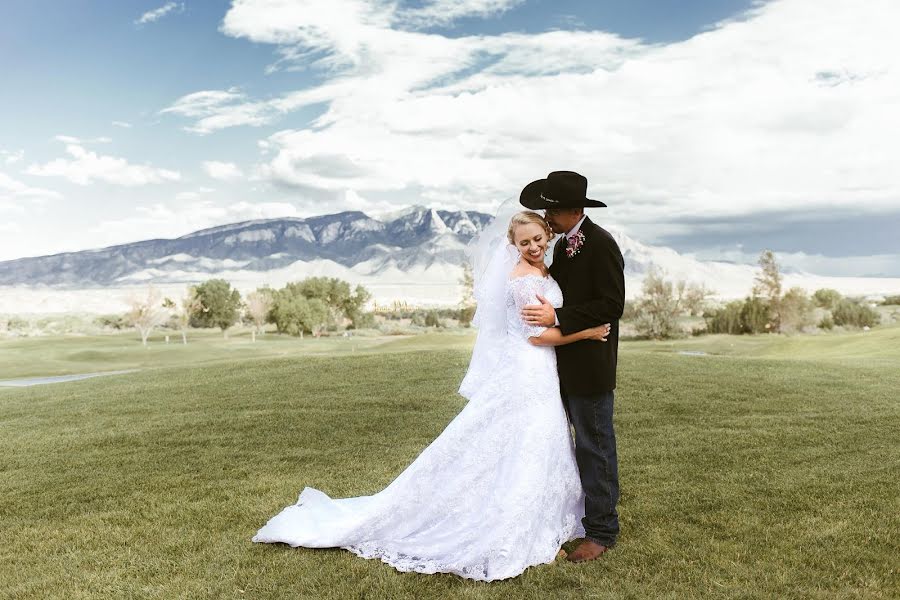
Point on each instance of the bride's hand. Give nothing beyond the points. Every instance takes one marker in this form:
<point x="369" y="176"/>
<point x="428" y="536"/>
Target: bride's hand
<point x="598" y="333"/>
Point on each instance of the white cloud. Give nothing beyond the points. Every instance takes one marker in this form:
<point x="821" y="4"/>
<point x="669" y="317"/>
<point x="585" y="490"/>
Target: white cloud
<point x="445" y="12"/>
<point x="193" y="194"/>
<point x="203" y="103"/>
<point x="877" y="265"/>
<point x="785" y="108"/>
<point x="122" y="124"/>
<point x="220" y="109"/>
<point x="156" y="14"/>
<point x="14" y="193"/>
<point x="223" y="171"/>
<point x="12" y="156"/>
<point x="162" y="220"/>
<point x="68" y="139"/>
<point x="352" y="200"/>
<point x="86" y="167"/>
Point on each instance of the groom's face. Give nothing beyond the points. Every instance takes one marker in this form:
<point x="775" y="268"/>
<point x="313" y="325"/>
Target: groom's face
<point x="562" y="220"/>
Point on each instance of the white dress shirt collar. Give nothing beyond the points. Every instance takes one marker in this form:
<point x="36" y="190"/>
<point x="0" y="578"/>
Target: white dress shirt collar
<point x="575" y="229"/>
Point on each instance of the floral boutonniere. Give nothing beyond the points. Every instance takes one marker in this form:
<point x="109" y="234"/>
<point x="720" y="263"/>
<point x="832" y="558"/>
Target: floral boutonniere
<point x="574" y="244"/>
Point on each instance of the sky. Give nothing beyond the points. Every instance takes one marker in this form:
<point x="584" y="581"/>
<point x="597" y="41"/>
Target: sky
<point x="718" y="127"/>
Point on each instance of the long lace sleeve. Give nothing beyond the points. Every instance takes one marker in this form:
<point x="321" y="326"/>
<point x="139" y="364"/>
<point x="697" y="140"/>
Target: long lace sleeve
<point x="525" y="291"/>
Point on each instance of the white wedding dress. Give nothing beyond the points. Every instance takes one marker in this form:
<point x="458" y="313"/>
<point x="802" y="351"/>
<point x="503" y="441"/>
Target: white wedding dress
<point x="496" y="492"/>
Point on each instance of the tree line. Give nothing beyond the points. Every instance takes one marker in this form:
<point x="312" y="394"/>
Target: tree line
<point x="310" y="306"/>
<point x="768" y="308"/>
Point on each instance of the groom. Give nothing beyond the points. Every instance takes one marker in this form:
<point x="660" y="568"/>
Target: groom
<point x="589" y="268"/>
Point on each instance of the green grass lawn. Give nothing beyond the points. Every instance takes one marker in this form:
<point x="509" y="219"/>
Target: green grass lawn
<point x="880" y="346"/>
<point x="64" y="355"/>
<point x="769" y="472"/>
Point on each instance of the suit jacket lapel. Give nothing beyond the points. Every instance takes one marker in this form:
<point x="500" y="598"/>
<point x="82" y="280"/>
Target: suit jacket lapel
<point x="558" y="251"/>
<point x="559" y="257"/>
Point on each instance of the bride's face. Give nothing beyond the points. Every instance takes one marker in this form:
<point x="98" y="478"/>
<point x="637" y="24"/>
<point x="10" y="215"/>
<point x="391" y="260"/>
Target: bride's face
<point x="531" y="242"/>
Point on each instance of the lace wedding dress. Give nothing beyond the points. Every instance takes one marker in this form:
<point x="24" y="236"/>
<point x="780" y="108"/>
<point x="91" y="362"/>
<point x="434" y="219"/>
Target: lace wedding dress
<point x="496" y="492"/>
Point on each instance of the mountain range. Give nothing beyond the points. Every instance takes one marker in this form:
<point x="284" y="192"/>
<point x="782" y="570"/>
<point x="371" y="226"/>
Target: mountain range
<point x="415" y="256"/>
<point x="417" y="238"/>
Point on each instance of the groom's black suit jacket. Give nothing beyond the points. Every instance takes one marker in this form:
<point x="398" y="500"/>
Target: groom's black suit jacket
<point x="593" y="287"/>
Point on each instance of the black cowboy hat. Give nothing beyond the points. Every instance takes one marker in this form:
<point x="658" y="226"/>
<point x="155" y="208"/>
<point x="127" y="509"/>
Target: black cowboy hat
<point x="561" y="189"/>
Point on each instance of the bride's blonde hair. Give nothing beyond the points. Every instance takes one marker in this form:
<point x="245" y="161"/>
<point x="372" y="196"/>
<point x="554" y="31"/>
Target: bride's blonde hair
<point x="526" y="217"/>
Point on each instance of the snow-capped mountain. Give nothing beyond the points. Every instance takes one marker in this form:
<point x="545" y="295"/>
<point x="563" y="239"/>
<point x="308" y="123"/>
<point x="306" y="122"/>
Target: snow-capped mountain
<point x="417" y="239"/>
<point x="414" y="256"/>
<point x="727" y="279"/>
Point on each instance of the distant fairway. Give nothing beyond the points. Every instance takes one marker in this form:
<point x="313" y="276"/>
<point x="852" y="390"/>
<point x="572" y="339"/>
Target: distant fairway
<point x="879" y="346"/>
<point x="43" y="356"/>
<point x="768" y="472"/>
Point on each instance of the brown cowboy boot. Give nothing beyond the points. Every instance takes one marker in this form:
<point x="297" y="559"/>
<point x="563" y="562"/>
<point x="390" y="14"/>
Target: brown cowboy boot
<point x="586" y="550"/>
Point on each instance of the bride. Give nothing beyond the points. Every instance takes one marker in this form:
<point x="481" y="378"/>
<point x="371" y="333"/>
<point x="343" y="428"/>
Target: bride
<point x="498" y="491"/>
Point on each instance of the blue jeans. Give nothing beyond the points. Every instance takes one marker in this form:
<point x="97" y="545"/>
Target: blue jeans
<point x="595" y="453"/>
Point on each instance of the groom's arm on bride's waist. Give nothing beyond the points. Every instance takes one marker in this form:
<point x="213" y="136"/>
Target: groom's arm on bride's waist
<point x="606" y="282"/>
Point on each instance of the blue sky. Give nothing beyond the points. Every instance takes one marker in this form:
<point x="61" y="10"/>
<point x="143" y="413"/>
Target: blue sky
<point x="716" y="127"/>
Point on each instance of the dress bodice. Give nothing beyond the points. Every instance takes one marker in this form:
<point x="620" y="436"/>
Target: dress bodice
<point x="524" y="290"/>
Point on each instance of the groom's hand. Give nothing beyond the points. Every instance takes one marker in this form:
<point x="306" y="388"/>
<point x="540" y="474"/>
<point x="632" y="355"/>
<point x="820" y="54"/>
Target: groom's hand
<point x="543" y="314"/>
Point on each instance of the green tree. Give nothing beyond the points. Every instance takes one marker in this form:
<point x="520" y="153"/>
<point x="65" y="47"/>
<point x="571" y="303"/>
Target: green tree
<point x="433" y="319"/>
<point x="768" y="287"/>
<point x="854" y="314"/>
<point x="467" y="303"/>
<point x="466" y="314"/>
<point x="826" y="298"/>
<point x="827" y="323"/>
<point x="796" y="310"/>
<point x="341" y="301"/>
<point x="111" y="322"/>
<point x="658" y="307"/>
<point x="355" y="309"/>
<point x="220" y="305"/>
<point x="755" y="316"/>
<point x="294" y="313"/>
<point x="726" y="319"/>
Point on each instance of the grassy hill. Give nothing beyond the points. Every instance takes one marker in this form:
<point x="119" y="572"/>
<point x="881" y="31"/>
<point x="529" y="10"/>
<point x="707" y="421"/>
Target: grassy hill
<point x="767" y="471"/>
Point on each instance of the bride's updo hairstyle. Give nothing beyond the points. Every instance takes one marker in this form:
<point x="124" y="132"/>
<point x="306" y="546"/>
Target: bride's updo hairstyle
<point x="527" y="217"/>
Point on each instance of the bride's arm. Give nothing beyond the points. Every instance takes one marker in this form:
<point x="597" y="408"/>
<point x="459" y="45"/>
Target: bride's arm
<point x="554" y="337"/>
<point x="525" y="291"/>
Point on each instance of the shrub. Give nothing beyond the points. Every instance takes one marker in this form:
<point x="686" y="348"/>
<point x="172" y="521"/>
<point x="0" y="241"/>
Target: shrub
<point x="854" y="314"/>
<point x="466" y="314"/>
<point x="826" y="323"/>
<point x="740" y="316"/>
<point x="657" y="308"/>
<point x="362" y="320"/>
<point x="726" y="319"/>
<point x="756" y="316"/>
<point x="796" y="310"/>
<point x="111" y="322"/>
<point x="827" y="298"/>
<point x="891" y="300"/>
<point x="433" y="319"/>
<point x="630" y="312"/>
